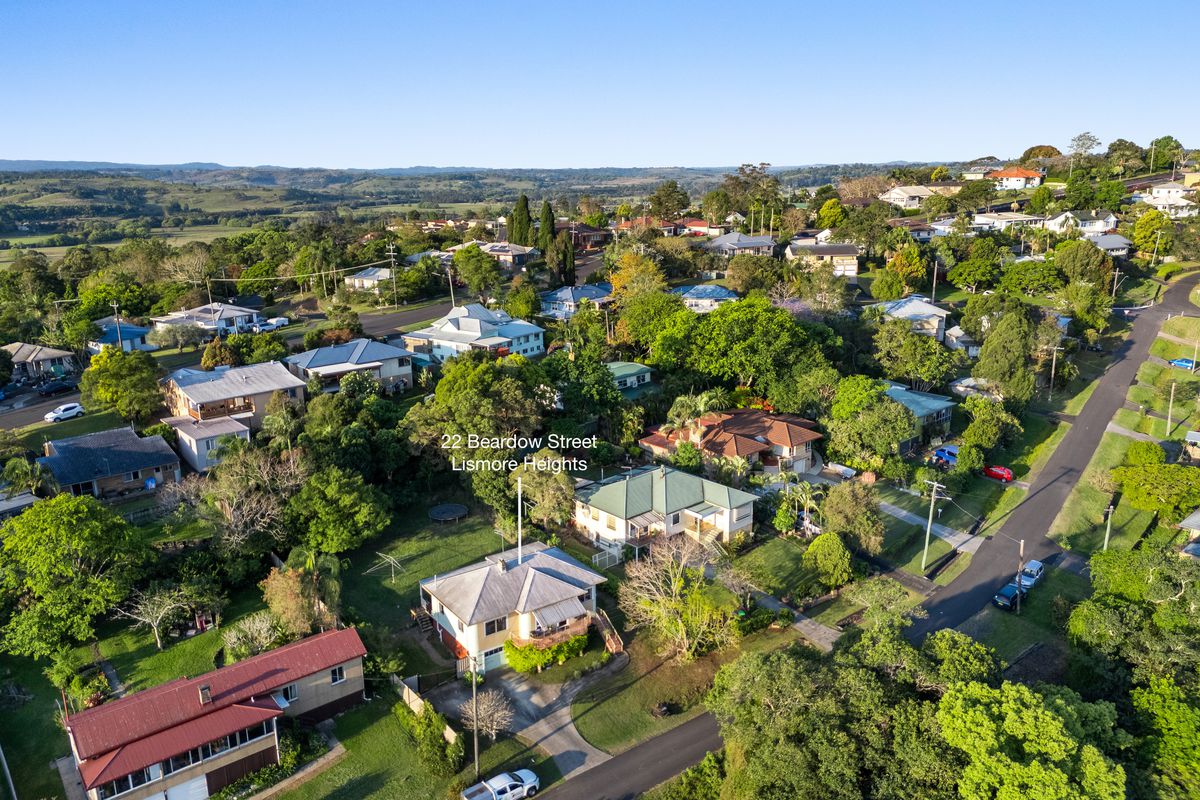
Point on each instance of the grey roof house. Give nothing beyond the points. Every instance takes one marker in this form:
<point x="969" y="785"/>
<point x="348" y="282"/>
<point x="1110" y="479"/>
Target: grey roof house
<point x="390" y="365"/>
<point x="110" y="464"/>
<point x="534" y="595"/>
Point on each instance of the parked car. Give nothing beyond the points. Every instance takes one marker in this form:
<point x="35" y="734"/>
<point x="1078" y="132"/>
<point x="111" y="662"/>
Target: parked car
<point x="273" y="324"/>
<point x="1183" y="363"/>
<point x="57" y="386"/>
<point x="998" y="473"/>
<point x="1030" y="575"/>
<point x="505" y="786"/>
<point x="948" y="454"/>
<point x="63" y="412"/>
<point x="1006" y="598"/>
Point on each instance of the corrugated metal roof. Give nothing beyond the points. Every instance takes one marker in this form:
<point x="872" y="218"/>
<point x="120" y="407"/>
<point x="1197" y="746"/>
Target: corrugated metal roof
<point x="222" y="383"/>
<point x="137" y="716"/>
<point x="706" y="291"/>
<point x="355" y="352"/>
<point x="206" y="428"/>
<point x="921" y="404"/>
<point x="660" y="489"/>
<point x="22" y="352"/>
<point x="499" y="585"/>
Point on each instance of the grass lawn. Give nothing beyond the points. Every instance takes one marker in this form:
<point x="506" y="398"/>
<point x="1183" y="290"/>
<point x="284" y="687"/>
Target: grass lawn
<point x="35" y="435"/>
<point x="831" y="612"/>
<point x="1072" y="398"/>
<point x="170" y="359"/>
<point x="1137" y="292"/>
<point x="1183" y="327"/>
<point x="382" y="763"/>
<point x="903" y="544"/>
<point x="953" y="570"/>
<point x="777" y="569"/>
<point x="614" y="713"/>
<point x="1169" y="350"/>
<point x="140" y="666"/>
<point x="976" y="499"/>
<point x="1079" y="526"/>
<point x="1011" y="634"/>
<point x="1009" y="500"/>
<point x="29" y="735"/>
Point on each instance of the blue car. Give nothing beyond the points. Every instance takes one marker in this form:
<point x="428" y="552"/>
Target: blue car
<point x="948" y="454"/>
<point x="1183" y="363"/>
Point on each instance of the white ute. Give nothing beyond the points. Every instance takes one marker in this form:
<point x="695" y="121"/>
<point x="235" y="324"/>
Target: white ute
<point x="505" y="786"/>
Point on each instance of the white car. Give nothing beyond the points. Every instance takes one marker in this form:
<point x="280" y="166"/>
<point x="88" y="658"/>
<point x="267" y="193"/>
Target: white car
<point x="65" y="411"/>
<point x="274" y="323"/>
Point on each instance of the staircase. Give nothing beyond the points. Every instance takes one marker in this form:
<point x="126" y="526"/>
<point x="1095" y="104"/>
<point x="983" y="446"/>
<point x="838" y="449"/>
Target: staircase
<point x="612" y="639"/>
<point x="424" y="621"/>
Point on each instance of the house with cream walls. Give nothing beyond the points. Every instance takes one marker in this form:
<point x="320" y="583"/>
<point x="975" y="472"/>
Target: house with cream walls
<point x="532" y="595"/>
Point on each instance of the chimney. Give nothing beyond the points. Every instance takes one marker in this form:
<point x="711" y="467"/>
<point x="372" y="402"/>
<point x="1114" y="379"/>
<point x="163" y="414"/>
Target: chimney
<point x="205" y="694"/>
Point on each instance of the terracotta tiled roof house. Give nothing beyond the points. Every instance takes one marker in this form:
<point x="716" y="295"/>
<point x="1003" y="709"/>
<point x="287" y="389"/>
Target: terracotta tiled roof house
<point x="1016" y="178"/>
<point x="193" y="736"/>
<point x="780" y="442"/>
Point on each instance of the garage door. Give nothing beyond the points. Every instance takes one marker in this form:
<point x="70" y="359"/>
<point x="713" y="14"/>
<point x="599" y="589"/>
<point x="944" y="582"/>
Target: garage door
<point x="494" y="660"/>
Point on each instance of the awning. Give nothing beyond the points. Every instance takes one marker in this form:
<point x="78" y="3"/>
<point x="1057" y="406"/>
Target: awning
<point x="557" y="613"/>
<point x="703" y="510"/>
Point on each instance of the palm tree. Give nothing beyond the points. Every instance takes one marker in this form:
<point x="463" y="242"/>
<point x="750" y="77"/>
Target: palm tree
<point x="683" y="411"/>
<point x="804" y="498"/>
<point x="23" y="475"/>
<point x="323" y="571"/>
<point x="717" y="399"/>
<point x="738" y="466"/>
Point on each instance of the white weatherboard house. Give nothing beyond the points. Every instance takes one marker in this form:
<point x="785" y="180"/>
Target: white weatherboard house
<point x="534" y="594"/>
<point x="368" y="280"/>
<point x="907" y="196"/>
<point x="388" y="364"/>
<point x="1085" y="221"/>
<point x="633" y="508"/>
<point x="473" y="327"/>
<point x="925" y="318"/>
<point x="217" y="318"/>
<point x="198" y="440"/>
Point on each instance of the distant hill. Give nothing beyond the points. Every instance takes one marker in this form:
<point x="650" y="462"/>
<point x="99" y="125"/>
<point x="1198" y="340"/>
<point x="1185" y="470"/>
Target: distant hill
<point x="20" y="165"/>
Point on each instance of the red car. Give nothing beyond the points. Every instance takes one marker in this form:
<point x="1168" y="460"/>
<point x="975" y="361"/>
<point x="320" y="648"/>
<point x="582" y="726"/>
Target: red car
<point x="1003" y="474"/>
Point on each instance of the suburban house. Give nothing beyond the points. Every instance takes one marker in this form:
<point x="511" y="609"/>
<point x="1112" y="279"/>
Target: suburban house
<point x="1015" y="178"/>
<point x="584" y="236"/>
<point x="633" y="508"/>
<point x="808" y="236"/>
<point x="1169" y="198"/>
<point x="1084" y="221"/>
<point x="958" y="339"/>
<point x="117" y="332"/>
<point x="531" y="595"/>
<point x="924" y="316"/>
<point x="110" y="464"/>
<point x="907" y="197"/>
<point x="1003" y="220"/>
<point x="563" y="302"/>
<point x="693" y="226"/>
<point x="1114" y="244"/>
<point x="948" y="225"/>
<point x="778" y="442"/>
<point x="931" y="410"/>
<point x="441" y="256"/>
<point x="198" y="440"/>
<point x="920" y="231"/>
<point x="388" y="364"/>
<point x="663" y="226"/>
<point x="738" y="243"/>
<point x="219" y="319"/>
<point x="735" y="218"/>
<point x="473" y="327"/>
<point x="238" y="392"/>
<point x="512" y="256"/>
<point x="632" y="378"/>
<point x="842" y="257"/>
<point x="368" y="280"/>
<point x="191" y="737"/>
<point x="17" y="504"/>
<point x="34" y="362"/>
<point x="704" y="297"/>
<point x="979" y="171"/>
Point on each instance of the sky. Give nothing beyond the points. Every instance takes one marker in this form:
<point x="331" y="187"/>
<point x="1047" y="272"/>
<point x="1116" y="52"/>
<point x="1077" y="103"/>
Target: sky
<point x="365" y="84"/>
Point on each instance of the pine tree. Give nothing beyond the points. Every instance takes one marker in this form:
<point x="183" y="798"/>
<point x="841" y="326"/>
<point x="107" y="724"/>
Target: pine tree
<point x="545" y="237"/>
<point x="519" y="224"/>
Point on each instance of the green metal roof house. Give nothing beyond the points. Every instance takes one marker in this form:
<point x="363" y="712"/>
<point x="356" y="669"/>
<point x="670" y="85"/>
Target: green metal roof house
<point x="660" y="501"/>
<point x="931" y="410"/>
<point x="632" y="379"/>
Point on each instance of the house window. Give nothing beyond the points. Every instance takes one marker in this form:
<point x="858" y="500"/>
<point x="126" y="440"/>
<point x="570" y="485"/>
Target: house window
<point x="675" y="518"/>
<point x="337" y="675"/>
<point x="610" y="522"/>
<point x="495" y="626"/>
<point x="291" y="692"/>
<point x="595" y="514"/>
<point x="133" y="476"/>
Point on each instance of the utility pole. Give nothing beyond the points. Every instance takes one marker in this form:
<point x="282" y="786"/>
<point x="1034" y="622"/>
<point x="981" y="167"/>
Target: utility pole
<point x="933" y="496"/>
<point x="1053" y="364"/>
<point x="1170" y="408"/>
<point x="933" y="289"/>
<point x="391" y="251"/>
<point x="1154" y="258"/>
<point x="117" y="318"/>
<point x="1116" y="274"/>
<point x="1020" y="569"/>
<point x="1107" y="524"/>
<point x="450" y="280"/>
<point x="475" y="711"/>
<point x="1150" y="171"/>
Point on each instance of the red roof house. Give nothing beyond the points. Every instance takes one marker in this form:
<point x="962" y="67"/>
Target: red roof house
<point x="777" y="441"/>
<point x="208" y="731"/>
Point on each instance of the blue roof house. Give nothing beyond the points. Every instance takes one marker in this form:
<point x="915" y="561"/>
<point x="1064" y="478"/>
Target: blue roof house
<point x="564" y="302"/>
<point x="121" y="333"/>
<point x="705" y="297"/>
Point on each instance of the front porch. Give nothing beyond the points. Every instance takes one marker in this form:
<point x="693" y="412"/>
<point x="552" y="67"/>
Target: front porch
<point x="548" y="637"/>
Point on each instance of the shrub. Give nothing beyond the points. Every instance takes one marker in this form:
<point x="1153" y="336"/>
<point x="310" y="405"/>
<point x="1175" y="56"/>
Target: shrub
<point x="1141" y="453"/>
<point x="529" y="657"/>
<point x="426" y="732"/>
<point x="754" y="620"/>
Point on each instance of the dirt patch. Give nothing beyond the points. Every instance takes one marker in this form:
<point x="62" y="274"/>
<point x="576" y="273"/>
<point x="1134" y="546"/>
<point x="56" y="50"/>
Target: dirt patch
<point x="1042" y="663"/>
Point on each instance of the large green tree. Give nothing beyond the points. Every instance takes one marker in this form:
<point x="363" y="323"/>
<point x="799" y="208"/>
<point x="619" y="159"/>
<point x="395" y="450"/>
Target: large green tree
<point x="545" y="232"/>
<point x="478" y="270"/>
<point x="337" y="511"/>
<point x="668" y="201"/>
<point x="520" y="223"/>
<point x="124" y="381"/>
<point x="67" y="560"/>
<point x="920" y="361"/>
<point x="1004" y="357"/>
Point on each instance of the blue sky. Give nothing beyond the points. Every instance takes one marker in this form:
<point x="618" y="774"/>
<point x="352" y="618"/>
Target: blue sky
<point x="568" y="84"/>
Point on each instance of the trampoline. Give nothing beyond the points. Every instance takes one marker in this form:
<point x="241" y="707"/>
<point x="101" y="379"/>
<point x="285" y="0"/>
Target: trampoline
<point x="448" y="512"/>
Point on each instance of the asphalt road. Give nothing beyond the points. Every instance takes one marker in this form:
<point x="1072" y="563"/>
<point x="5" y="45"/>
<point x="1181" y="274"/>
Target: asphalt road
<point x="643" y="767"/>
<point x="996" y="561"/>
<point x="19" y="418"/>
<point x="392" y="321"/>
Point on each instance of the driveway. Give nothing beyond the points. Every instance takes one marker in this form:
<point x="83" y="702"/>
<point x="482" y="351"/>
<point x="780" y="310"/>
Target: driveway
<point x="995" y="562"/>
<point x="541" y="713"/>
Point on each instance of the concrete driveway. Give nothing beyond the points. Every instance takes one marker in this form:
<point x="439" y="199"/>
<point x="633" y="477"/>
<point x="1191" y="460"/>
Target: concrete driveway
<point x="541" y="713"/>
